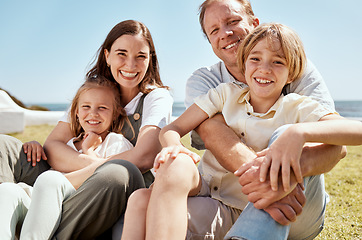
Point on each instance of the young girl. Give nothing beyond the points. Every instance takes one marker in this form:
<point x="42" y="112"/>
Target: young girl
<point x="270" y="57"/>
<point x="96" y="117"/>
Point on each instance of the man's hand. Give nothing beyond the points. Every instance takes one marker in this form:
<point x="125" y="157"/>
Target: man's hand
<point x="288" y="208"/>
<point x="282" y="206"/>
<point x="34" y="152"/>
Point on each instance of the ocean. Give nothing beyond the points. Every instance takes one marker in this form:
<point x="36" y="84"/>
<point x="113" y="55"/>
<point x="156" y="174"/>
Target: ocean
<point x="348" y="109"/>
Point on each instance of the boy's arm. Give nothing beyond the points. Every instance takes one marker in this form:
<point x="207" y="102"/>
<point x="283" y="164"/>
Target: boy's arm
<point x="171" y="134"/>
<point x="224" y="144"/>
<point x="337" y="131"/>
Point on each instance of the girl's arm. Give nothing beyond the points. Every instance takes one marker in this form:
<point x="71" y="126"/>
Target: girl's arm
<point x="285" y="152"/>
<point x="62" y="157"/>
<point x="76" y="178"/>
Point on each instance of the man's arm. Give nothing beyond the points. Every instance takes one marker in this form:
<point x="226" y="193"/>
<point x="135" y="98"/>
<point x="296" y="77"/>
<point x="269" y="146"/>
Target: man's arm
<point x="224" y="144"/>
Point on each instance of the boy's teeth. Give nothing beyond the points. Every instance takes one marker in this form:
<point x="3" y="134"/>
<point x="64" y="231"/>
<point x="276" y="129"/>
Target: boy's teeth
<point x="127" y="74"/>
<point x="262" y="80"/>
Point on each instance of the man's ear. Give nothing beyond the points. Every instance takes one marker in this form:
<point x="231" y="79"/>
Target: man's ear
<point x="256" y="22"/>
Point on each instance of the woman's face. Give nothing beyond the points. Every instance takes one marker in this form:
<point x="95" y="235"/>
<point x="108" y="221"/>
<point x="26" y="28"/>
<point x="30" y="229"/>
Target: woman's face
<point x="129" y="59"/>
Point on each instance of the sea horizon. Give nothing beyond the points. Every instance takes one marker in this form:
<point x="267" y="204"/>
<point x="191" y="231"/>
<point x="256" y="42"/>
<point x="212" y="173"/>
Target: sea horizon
<point x="346" y="108"/>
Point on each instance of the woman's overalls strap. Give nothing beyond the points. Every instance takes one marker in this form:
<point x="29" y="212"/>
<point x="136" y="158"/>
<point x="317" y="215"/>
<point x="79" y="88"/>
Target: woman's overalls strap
<point x="136" y="120"/>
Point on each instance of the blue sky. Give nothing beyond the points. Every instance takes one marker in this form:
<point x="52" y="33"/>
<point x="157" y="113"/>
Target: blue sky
<point x="46" y="46"/>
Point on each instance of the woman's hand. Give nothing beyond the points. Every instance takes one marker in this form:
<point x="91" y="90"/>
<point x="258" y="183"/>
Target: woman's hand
<point x="172" y="152"/>
<point x="34" y="152"/>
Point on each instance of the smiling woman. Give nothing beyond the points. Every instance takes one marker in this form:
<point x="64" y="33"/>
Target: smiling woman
<point x="148" y="106"/>
<point x="128" y="59"/>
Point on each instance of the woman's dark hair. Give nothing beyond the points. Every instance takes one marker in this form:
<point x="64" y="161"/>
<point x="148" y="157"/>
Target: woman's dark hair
<point x="129" y="27"/>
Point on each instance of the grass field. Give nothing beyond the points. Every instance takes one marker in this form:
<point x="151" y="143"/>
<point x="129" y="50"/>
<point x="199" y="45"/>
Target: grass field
<point x="343" y="183"/>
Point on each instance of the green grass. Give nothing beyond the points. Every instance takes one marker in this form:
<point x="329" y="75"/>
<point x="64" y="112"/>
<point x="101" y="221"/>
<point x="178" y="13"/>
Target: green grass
<point x="343" y="184"/>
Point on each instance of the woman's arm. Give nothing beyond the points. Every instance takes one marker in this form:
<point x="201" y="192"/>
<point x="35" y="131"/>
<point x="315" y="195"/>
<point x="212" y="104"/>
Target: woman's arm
<point x="146" y="149"/>
<point x="62" y="157"/>
<point x="148" y="144"/>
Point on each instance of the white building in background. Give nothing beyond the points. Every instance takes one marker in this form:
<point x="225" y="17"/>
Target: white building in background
<point x="14" y="118"/>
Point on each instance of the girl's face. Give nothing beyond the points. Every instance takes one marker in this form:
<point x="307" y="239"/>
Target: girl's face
<point x="95" y="110"/>
<point x="129" y="59"/>
<point x="266" y="71"/>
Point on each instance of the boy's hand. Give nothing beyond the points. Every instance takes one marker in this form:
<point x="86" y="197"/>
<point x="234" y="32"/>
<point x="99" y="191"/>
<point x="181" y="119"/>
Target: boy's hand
<point x="34" y="152"/>
<point x="91" y="141"/>
<point x="172" y="152"/>
<point x="283" y="154"/>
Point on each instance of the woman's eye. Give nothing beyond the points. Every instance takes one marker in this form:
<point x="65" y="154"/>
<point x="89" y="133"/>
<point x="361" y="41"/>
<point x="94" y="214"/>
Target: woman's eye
<point x="85" y="106"/>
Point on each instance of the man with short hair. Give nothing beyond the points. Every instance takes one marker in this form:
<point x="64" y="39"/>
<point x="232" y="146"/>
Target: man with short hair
<point x="225" y="24"/>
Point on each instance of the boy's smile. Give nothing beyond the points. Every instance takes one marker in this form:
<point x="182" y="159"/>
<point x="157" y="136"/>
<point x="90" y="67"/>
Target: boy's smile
<point x="266" y="73"/>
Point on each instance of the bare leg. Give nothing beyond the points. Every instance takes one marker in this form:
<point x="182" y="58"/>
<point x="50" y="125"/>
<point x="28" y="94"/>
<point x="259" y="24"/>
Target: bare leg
<point x="135" y="217"/>
<point x="167" y="210"/>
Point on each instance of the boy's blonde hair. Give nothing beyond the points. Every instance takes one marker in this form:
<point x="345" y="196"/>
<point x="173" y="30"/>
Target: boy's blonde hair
<point x="289" y="41"/>
<point x="119" y="114"/>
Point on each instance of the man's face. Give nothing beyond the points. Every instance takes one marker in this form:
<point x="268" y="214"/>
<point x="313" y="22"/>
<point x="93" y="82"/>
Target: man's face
<point x="226" y="25"/>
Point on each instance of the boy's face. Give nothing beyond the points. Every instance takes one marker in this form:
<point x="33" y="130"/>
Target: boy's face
<point x="226" y="25"/>
<point x="266" y="71"/>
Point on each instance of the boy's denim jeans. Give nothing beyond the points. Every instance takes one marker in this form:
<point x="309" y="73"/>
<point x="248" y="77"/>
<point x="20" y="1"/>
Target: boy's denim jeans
<point x="256" y="224"/>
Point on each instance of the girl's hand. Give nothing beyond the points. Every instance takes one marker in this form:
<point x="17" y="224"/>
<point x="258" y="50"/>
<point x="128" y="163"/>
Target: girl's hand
<point x="91" y="141"/>
<point x="34" y="152"/>
<point x="172" y="152"/>
<point x="283" y="154"/>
